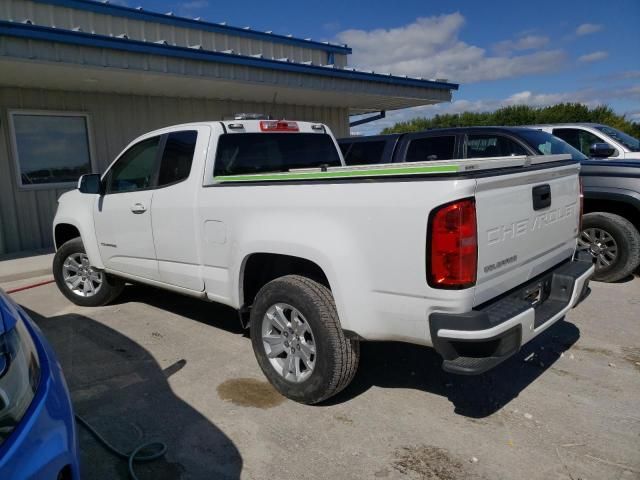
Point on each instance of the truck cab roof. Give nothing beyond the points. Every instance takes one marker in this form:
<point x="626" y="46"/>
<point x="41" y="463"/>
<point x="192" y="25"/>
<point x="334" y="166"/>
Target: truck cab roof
<point x="566" y="124"/>
<point x="250" y="126"/>
<point x="451" y="143"/>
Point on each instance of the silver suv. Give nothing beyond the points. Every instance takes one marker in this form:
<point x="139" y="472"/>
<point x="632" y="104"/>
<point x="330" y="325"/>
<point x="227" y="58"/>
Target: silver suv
<point x="595" y="140"/>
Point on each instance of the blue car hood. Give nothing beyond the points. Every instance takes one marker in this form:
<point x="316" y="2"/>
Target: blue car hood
<point x="8" y="313"/>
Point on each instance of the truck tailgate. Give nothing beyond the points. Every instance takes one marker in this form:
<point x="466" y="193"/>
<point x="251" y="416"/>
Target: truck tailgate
<point x="527" y="223"/>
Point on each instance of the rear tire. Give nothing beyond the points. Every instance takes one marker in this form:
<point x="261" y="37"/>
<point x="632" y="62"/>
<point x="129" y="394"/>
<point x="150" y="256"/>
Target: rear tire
<point x="613" y="242"/>
<point x="300" y="304"/>
<point x="80" y="282"/>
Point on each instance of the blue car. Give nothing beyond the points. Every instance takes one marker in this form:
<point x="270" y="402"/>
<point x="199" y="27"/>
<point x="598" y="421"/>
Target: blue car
<point x="37" y="429"/>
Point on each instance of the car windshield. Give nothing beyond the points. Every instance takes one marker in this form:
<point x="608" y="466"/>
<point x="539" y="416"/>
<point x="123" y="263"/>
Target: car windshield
<point x="628" y="141"/>
<point x="547" y="144"/>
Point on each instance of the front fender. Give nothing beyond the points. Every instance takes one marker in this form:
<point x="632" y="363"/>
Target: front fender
<point x="76" y="209"/>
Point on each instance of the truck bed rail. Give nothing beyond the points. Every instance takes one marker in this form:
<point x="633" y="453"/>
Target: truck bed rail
<point x="436" y="167"/>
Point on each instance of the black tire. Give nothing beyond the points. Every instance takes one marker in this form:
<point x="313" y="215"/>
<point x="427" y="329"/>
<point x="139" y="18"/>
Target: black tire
<point x="627" y="240"/>
<point x="336" y="358"/>
<point x="110" y="288"/>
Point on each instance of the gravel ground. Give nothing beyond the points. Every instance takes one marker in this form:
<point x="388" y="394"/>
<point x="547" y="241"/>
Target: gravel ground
<point x="161" y="366"/>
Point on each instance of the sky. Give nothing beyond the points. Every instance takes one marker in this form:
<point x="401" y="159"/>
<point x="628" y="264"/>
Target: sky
<point x="500" y="52"/>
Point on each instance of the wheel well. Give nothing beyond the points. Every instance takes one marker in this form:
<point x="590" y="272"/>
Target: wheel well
<point x="261" y="268"/>
<point x="611" y="206"/>
<point x="65" y="232"/>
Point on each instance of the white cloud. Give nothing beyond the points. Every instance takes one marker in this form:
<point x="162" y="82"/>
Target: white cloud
<point x="526" y="42"/>
<point x="593" y="57"/>
<point x="589" y="96"/>
<point x="430" y="48"/>
<point x="588" y="28"/>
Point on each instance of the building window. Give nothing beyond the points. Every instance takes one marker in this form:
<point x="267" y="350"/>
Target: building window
<point x="51" y="149"/>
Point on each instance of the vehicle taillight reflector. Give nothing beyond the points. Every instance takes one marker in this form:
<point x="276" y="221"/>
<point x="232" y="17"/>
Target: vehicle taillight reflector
<point x="453" y="246"/>
<point x="278" y="126"/>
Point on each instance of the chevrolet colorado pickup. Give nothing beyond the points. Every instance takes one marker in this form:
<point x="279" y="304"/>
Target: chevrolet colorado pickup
<point x="472" y="258"/>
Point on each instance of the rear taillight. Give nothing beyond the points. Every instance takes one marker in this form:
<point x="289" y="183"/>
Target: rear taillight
<point x="581" y="206"/>
<point x="278" y="126"/>
<point x="453" y="246"/>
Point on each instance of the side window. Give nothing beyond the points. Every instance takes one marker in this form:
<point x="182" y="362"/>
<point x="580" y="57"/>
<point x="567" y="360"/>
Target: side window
<point x="577" y="138"/>
<point x="431" y="148"/>
<point x="177" y="157"/>
<point x="135" y="169"/>
<point x="363" y="153"/>
<point x="489" y="145"/>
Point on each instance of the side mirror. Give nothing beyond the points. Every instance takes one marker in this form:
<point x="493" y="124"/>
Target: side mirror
<point x="601" y="150"/>
<point x="90" y="183"/>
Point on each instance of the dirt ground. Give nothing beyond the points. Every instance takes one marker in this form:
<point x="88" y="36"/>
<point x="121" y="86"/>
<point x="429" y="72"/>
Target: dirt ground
<point x="161" y="366"/>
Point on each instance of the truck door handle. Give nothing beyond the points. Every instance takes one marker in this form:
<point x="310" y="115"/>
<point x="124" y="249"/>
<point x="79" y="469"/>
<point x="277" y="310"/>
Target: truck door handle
<point x="138" y="208"/>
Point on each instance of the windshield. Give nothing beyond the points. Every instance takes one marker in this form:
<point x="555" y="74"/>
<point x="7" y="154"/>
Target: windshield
<point x="628" y="141"/>
<point x="245" y="153"/>
<point x="547" y="144"/>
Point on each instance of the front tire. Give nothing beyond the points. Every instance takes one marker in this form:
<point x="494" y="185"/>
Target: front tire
<point x="298" y="341"/>
<point x="79" y="281"/>
<point x="613" y="242"/>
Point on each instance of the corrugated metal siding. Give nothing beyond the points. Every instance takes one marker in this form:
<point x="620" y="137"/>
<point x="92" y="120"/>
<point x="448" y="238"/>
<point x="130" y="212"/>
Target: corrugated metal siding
<point x="46" y="51"/>
<point x="90" y="22"/>
<point x="115" y="120"/>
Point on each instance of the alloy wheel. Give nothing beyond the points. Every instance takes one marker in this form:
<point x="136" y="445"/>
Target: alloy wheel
<point x="288" y="342"/>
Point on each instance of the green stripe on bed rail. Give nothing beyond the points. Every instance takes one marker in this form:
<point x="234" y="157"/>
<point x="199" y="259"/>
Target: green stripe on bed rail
<point x="381" y="172"/>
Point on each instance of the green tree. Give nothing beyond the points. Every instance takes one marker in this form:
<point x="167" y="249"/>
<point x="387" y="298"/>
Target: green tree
<point x="523" y="115"/>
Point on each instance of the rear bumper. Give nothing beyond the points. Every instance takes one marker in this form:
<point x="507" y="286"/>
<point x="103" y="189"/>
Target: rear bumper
<point x="476" y="341"/>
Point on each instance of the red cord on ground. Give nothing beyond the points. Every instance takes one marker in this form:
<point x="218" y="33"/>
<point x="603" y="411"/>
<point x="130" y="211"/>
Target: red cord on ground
<point x="39" y="284"/>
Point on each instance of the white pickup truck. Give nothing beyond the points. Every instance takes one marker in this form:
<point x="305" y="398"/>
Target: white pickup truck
<point x="472" y="257"/>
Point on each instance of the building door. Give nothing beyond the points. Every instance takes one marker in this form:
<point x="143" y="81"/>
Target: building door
<point x="123" y="214"/>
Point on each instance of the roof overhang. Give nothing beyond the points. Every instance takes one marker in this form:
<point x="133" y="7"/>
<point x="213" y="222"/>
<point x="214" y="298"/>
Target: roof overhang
<point x="42" y="57"/>
<point x="122" y="11"/>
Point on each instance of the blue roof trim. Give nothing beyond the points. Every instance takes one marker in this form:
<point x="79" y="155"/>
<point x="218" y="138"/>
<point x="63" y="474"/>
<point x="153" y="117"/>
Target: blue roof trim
<point x="35" y="32"/>
<point x="128" y="12"/>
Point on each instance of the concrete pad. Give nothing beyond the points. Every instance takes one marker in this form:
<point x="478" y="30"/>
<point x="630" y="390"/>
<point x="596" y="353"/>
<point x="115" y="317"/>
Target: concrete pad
<point x="158" y="365"/>
<point x="18" y="272"/>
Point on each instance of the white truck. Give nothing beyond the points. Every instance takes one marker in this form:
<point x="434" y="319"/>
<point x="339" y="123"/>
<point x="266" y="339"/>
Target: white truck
<point x="472" y="257"/>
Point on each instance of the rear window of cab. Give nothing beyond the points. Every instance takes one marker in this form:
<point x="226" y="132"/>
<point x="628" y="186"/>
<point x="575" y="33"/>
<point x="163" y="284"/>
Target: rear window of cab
<point x="251" y="153"/>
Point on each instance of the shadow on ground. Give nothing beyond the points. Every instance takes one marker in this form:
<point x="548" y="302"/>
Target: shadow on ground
<point x="121" y="390"/>
<point x="208" y="313"/>
<point x="402" y="365"/>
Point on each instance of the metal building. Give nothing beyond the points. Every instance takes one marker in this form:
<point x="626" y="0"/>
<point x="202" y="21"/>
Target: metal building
<point x="81" y="79"/>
